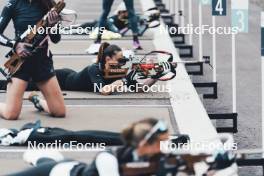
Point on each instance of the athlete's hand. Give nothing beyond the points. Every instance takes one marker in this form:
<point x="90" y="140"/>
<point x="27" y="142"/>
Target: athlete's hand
<point x="53" y="18"/>
<point x="168" y="72"/>
<point x="21" y="49"/>
<point x="131" y="78"/>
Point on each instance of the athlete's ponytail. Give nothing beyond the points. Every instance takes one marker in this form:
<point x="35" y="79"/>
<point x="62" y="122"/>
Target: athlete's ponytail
<point x="101" y="52"/>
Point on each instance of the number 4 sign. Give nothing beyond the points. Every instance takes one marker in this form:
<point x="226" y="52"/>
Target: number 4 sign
<point x="219" y="7"/>
<point x="240" y="15"/>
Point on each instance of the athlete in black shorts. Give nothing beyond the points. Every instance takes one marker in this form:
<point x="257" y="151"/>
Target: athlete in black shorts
<point x="38" y="67"/>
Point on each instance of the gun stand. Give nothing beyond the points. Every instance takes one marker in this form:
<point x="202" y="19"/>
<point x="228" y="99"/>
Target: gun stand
<point x="200" y="64"/>
<point x="161" y="7"/>
<point x="251" y="161"/>
<point x="168" y="18"/>
<point x="226" y="116"/>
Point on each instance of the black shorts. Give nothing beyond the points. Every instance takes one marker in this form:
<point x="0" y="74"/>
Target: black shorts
<point x="37" y="68"/>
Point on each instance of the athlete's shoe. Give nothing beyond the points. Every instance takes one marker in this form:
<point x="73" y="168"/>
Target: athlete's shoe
<point x="93" y="49"/>
<point x="34" y="98"/>
<point x="136" y="45"/>
<point x="33" y="156"/>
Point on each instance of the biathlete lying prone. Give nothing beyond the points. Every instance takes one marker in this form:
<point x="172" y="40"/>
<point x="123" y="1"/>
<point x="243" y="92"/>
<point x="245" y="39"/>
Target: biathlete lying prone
<point x="92" y="78"/>
<point x="141" y="154"/>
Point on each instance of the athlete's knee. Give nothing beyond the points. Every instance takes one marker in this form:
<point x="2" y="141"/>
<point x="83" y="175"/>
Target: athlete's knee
<point x="11" y="115"/>
<point x="59" y="113"/>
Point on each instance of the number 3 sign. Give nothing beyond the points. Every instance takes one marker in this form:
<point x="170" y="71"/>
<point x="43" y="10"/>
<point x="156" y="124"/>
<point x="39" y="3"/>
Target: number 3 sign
<point x="205" y="2"/>
<point x="219" y="7"/>
<point x="240" y="15"/>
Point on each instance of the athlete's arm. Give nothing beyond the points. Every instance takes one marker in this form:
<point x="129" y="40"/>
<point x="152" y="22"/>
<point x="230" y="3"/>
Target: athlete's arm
<point x="107" y="165"/>
<point x="53" y="18"/>
<point x="5" y="18"/>
<point x="110" y="88"/>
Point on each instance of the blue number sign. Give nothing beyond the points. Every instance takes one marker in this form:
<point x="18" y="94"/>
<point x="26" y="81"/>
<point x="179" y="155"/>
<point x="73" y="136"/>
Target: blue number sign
<point x="219" y="7"/>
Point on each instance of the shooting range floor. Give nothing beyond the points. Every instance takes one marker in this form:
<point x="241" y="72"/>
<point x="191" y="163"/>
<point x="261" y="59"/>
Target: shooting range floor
<point x="88" y="111"/>
<point x="78" y="47"/>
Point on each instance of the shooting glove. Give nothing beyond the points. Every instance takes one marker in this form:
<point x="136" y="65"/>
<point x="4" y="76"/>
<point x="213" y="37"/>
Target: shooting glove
<point x="168" y="72"/>
<point x="131" y="78"/>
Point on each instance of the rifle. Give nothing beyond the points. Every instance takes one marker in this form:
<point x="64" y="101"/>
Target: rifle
<point x="177" y="161"/>
<point x="145" y="68"/>
<point x="32" y="37"/>
<point x="168" y="164"/>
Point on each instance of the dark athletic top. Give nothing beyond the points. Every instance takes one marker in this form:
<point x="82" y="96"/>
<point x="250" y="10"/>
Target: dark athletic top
<point x="71" y="80"/>
<point x="85" y="80"/>
<point x="22" y="13"/>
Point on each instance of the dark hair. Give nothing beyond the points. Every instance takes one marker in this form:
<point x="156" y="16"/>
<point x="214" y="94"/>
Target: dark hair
<point x="137" y="131"/>
<point x="106" y="50"/>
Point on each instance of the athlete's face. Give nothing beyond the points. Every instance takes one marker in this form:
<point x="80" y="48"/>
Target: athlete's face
<point x="114" y="59"/>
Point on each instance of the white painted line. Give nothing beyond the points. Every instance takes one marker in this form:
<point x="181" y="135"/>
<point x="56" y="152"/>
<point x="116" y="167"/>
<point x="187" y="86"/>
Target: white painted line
<point x="176" y="11"/>
<point x="121" y="105"/>
<point x="234" y="97"/>
<point x="182" y="16"/>
<point x="262" y="70"/>
<point x="214" y="50"/>
<point x="190" y="22"/>
<point x="200" y="34"/>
